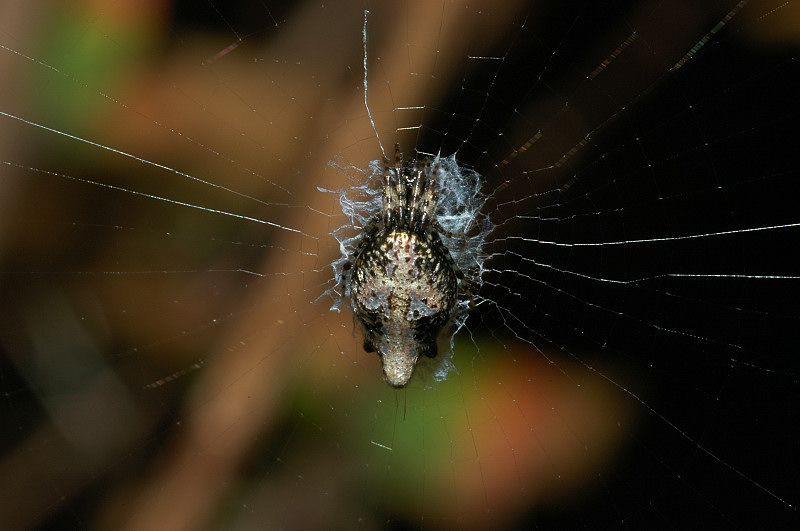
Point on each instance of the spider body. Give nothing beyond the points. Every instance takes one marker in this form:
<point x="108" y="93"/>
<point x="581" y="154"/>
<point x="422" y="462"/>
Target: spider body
<point x="403" y="283"/>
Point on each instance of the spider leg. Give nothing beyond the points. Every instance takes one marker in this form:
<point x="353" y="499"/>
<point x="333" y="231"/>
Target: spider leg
<point x="397" y="157"/>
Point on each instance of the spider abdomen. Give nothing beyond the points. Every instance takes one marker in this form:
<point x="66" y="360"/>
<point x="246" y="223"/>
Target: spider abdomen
<point x="403" y="289"/>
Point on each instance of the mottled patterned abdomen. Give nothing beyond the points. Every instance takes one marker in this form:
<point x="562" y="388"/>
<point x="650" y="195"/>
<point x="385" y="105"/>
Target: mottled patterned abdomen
<point x="403" y="289"/>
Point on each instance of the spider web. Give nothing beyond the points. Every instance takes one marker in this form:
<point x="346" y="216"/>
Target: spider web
<point x="169" y="363"/>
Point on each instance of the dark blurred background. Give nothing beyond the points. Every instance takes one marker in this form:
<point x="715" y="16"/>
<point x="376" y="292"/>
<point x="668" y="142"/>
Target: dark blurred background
<point x="167" y="362"/>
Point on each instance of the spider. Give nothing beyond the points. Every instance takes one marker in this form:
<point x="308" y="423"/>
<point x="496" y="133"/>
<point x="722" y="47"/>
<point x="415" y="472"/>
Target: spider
<point x="404" y="286"/>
